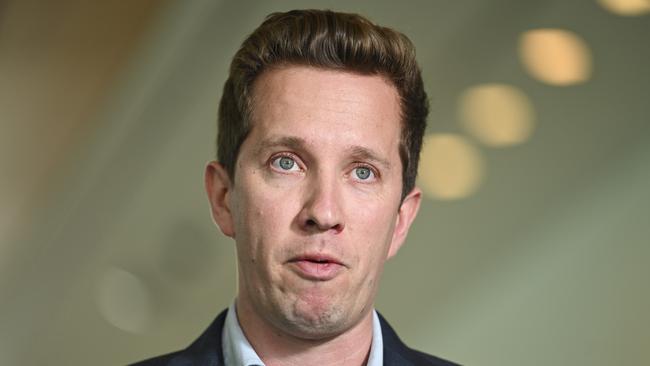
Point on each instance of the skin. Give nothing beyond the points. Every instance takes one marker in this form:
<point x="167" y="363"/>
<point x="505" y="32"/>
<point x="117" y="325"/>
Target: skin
<point x="319" y="173"/>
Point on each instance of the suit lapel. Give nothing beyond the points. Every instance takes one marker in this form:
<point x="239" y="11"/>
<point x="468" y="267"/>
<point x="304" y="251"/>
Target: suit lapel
<point x="395" y="352"/>
<point x="206" y="350"/>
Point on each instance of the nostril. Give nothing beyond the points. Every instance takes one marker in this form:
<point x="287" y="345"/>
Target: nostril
<point x="337" y="228"/>
<point x="314" y="224"/>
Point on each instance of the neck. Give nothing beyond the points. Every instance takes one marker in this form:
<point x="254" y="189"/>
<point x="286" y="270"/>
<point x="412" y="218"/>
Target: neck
<point x="278" y="348"/>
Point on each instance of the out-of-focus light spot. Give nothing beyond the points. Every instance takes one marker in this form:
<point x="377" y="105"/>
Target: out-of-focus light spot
<point x="451" y="167"/>
<point x="626" y="7"/>
<point x="497" y="114"/>
<point x="124" y="300"/>
<point x="555" y="56"/>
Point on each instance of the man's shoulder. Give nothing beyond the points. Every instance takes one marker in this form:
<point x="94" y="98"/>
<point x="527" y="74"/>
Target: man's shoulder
<point x="206" y="350"/>
<point x="170" y="359"/>
<point x="398" y="353"/>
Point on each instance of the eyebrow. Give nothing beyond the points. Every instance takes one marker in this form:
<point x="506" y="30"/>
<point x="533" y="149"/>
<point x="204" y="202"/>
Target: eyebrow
<point x="357" y="152"/>
<point x="366" y="154"/>
<point x="285" y="141"/>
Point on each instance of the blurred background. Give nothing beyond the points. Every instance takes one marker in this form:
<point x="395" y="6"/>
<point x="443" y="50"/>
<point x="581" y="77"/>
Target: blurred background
<point x="531" y="247"/>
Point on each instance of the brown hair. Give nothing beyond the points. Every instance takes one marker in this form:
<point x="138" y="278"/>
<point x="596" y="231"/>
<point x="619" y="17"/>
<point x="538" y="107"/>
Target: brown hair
<point x="332" y="40"/>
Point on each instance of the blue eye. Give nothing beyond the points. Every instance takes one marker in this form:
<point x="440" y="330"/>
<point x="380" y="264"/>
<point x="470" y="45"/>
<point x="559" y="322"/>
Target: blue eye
<point x="285" y="163"/>
<point x="363" y="173"/>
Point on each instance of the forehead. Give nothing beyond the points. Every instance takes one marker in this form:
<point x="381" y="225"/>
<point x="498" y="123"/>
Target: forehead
<point x="338" y="107"/>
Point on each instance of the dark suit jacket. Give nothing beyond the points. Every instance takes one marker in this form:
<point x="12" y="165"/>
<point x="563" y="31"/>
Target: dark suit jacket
<point x="206" y="351"/>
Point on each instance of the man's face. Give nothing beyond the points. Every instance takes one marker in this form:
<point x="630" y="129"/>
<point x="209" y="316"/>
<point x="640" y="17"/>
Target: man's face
<point x="315" y="204"/>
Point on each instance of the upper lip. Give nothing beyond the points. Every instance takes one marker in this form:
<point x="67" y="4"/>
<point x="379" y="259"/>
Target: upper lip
<point x="317" y="257"/>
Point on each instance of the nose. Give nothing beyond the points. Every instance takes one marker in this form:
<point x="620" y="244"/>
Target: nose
<point x="321" y="211"/>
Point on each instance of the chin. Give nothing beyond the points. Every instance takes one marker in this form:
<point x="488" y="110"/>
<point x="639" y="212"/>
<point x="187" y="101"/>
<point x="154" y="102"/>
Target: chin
<point x="316" y="320"/>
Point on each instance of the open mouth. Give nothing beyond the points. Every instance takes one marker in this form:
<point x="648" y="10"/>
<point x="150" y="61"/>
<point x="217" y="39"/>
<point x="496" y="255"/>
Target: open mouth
<point x="316" y="267"/>
<point x="318" y="260"/>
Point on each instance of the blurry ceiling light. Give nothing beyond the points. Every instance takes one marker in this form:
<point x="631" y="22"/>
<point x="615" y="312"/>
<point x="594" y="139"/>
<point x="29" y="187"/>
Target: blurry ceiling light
<point x="497" y="114"/>
<point x="124" y="300"/>
<point x="450" y="168"/>
<point x="555" y="56"/>
<point x="626" y="7"/>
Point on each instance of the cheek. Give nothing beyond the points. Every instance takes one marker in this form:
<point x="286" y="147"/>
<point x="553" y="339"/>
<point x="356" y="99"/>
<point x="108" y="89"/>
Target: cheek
<point x="264" y="218"/>
<point x="372" y="232"/>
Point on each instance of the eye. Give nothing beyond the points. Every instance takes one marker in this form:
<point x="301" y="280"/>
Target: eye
<point x="285" y="163"/>
<point x="364" y="173"/>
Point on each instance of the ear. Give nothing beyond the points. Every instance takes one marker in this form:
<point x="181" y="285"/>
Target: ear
<point x="405" y="216"/>
<point x="219" y="188"/>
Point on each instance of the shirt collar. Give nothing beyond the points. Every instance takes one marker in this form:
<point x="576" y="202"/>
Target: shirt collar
<point x="237" y="351"/>
<point x="376" y="357"/>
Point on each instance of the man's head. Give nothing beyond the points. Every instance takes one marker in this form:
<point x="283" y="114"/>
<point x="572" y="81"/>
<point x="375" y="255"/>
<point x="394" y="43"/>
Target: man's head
<point x="327" y="40"/>
<point x="320" y="124"/>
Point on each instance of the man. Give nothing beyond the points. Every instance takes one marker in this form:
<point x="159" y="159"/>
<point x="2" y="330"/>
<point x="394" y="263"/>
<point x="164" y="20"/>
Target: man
<point x="320" y="128"/>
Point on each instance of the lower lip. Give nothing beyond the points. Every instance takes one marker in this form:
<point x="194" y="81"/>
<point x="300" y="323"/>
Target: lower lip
<point x="316" y="271"/>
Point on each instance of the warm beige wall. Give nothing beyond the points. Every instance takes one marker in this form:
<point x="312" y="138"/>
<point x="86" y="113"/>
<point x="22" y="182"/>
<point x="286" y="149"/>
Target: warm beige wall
<point x="59" y="62"/>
